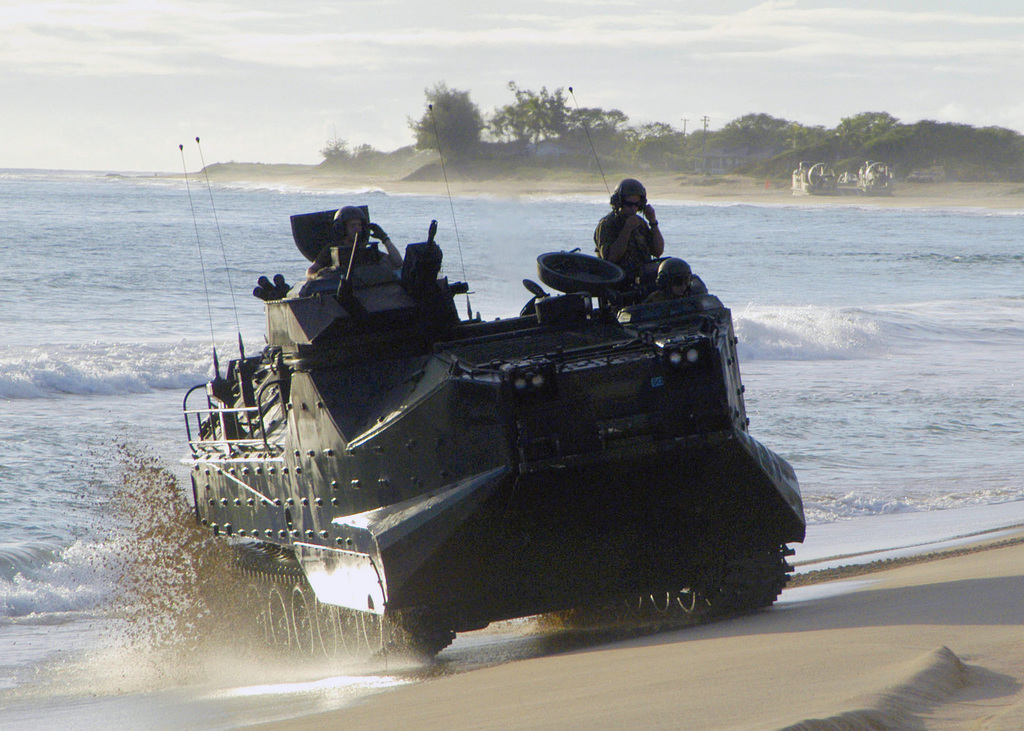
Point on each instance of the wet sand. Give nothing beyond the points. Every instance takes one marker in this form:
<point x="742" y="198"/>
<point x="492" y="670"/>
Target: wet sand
<point x="660" y="186"/>
<point x="933" y="645"/>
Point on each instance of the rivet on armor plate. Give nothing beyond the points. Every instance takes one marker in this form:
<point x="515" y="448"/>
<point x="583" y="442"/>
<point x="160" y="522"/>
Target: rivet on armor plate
<point x="383" y="482"/>
<point x="323" y="534"/>
<point x="319" y="501"/>
<point x="311" y="453"/>
<point x="339" y="540"/>
<point x="305" y="501"/>
<point x="334" y="484"/>
<point x="334" y="501"/>
<point x="277" y="501"/>
<point x="268" y="533"/>
<point x="250" y="502"/>
<point x="355" y="484"/>
<point x="329" y="452"/>
<point x="245" y="470"/>
<point x="224" y="501"/>
<point x="238" y="502"/>
<point x="213" y="501"/>
<point x="289" y="502"/>
<point x="309" y="534"/>
<point x="298" y="470"/>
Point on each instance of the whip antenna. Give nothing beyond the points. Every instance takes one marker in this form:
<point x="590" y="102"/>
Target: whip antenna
<point x="223" y="251"/>
<point x="592" y="148"/>
<point x="458" y="241"/>
<point x="202" y="264"/>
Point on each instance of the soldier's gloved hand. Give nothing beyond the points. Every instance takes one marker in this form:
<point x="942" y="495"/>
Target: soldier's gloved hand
<point x="377" y="231"/>
<point x="632" y="222"/>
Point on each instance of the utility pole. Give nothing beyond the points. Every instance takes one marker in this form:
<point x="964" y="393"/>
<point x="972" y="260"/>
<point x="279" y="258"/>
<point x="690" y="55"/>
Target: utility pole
<point x="704" y="143"/>
<point x="686" y="144"/>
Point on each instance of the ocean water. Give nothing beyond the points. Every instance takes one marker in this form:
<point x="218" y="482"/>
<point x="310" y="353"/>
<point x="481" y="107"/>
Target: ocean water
<point x="882" y="350"/>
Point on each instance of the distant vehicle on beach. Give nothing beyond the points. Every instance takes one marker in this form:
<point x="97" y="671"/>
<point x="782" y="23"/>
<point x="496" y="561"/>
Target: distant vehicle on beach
<point x="876" y="178"/>
<point x="873" y="178"/>
<point x="814" y="179"/>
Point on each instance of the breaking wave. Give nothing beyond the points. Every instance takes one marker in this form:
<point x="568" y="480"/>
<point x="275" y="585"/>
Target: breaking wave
<point x="101" y="368"/>
<point x="817" y="332"/>
<point x="807" y="333"/>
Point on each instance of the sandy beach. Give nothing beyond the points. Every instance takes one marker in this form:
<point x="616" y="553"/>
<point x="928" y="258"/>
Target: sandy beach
<point x="934" y="645"/>
<point x="660" y="186"/>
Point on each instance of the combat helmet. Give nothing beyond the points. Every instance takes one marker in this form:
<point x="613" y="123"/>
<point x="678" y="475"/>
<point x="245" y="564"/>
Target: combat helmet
<point x="673" y="272"/>
<point x="347" y="213"/>
<point x="629" y="186"/>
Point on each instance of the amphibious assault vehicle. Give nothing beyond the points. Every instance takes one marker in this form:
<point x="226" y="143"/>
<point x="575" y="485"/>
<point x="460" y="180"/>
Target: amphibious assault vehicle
<point x="392" y="474"/>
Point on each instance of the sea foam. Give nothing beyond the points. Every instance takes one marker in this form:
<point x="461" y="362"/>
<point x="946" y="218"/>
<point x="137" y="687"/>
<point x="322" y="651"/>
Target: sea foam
<point x="808" y="332"/>
<point x="101" y="368"/>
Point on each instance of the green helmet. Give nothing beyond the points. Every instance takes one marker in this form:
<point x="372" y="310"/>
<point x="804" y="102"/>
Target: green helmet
<point x="629" y="186"/>
<point x="347" y="213"/>
<point x="673" y="272"/>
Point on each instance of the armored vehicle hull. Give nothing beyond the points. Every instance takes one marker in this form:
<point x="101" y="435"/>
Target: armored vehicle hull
<point x="408" y="469"/>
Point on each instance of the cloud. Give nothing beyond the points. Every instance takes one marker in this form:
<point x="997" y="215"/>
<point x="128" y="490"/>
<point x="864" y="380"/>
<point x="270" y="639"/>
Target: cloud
<point x="96" y="37"/>
<point x="246" y="72"/>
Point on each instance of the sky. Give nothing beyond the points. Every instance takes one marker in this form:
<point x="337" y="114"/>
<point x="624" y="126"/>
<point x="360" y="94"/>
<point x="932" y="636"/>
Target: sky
<point x="117" y="85"/>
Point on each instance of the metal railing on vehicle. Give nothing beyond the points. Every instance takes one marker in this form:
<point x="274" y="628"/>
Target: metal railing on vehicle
<point x="242" y="419"/>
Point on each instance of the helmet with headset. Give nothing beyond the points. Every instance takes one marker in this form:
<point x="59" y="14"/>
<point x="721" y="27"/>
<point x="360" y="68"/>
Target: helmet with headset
<point x="673" y="272"/>
<point x="631" y="187"/>
<point x="347" y="213"/>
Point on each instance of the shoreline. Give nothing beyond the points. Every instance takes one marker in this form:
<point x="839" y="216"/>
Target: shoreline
<point x="664" y="187"/>
<point x="932" y="643"/>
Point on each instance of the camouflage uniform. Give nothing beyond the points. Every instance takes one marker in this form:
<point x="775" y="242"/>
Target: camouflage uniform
<point x="638" y="248"/>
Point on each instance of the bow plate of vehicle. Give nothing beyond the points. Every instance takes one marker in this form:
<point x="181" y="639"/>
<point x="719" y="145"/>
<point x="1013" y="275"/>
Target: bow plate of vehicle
<point x="393" y="474"/>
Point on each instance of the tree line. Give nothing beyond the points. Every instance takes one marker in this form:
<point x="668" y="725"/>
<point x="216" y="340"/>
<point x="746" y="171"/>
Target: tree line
<point x="541" y="129"/>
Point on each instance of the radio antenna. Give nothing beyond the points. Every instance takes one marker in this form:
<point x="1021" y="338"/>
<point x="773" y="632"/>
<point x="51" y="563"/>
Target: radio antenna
<point x="593" y="149"/>
<point x="223" y="251"/>
<point x="458" y="241"/>
<point x="202" y="263"/>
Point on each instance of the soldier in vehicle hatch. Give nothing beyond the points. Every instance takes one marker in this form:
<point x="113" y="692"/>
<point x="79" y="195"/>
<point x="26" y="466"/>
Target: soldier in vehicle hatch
<point x="353" y="224"/>
<point x="675" y="280"/>
<point x="623" y="237"/>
